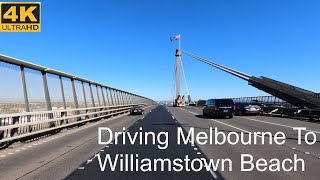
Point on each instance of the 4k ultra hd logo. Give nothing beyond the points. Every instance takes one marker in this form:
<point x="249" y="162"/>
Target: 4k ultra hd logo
<point x="20" y="17"/>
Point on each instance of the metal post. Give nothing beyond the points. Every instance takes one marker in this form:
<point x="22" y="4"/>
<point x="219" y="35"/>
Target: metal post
<point x="25" y="92"/>
<point x="130" y="99"/>
<point x="92" y="99"/>
<point x="108" y="97"/>
<point x="103" y="98"/>
<point x="98" y="95"/>
<point x="84" y="94"/>
<point x="25" y="95"/>
<point x="127" y="98"/>
<point x="110" y="90"/>
<point x="63" y="99"/>
<point x="46" y="90"/>
<point x="114" y="97"/>
<point x="74" y="94"/>
<point x="62" y="93"/>
<point x="118" y="96"/>
<point x="122" y="99"/>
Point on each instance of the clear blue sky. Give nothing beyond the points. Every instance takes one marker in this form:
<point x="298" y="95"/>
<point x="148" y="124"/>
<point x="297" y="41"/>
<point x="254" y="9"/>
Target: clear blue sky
<point x="125" y="44"/>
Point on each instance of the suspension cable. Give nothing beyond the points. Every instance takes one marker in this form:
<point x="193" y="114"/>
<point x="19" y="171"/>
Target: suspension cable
<point x="223" y="68"/>
<point x="184" y="76"/>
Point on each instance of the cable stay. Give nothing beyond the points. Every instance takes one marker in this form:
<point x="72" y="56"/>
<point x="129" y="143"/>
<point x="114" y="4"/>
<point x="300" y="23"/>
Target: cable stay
<point x="223" y="68"/>
<point x="292" y="94"/>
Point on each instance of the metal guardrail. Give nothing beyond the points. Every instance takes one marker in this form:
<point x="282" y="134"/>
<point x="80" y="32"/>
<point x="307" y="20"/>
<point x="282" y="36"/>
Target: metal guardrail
<point x="82" y="92"/>
<point x="26" y="125"/>
<point x="66" y="100"/>
<point x="267" y="100"/>
<point x="308" y="114"/>
<point x="284" y="108"/>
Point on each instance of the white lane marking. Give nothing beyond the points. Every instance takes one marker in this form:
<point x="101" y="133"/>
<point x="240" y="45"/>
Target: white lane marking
<point x="213" y="174"/>
<point x="307" y="153"/>
<point x="23" y="148"/>
<point x="3" y="156"/>
<point x="277" y="124"/>
<point x="10" y="153"/>
<point x="90" y="160"/>
<point x="231" y="126"/>
<point x="293" y="148"/>
<point x="199" y="153"/>
<point x="101" y="150"/>
<point x="81" y="168"/>
<point x="106" y="146"/>
<point x="142" y="117"/>
<point x="17" y="150"/>
<point x="192" y="144"/>
<point x="224" y="124"/>
<point x="29" y="146"/>
<point x="195" y="149"/>
<point x="176" y="121"/>
<point x="172" y="117"/>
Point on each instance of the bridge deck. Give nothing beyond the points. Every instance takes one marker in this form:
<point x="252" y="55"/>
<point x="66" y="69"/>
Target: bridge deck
<point x="67" y="153"/>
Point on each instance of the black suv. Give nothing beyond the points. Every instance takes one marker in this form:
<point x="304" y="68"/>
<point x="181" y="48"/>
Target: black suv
<point x="219" y="107"/>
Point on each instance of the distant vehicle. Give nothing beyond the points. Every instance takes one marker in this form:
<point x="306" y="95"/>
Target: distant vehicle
<point x="137" y="110"/>
<point x="219" y="108"/>
<point x="247" y="108"/>
<point x="201" y="103"/>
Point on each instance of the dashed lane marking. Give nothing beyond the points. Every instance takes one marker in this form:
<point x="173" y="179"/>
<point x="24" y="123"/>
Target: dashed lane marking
<point x="213" y="174"/>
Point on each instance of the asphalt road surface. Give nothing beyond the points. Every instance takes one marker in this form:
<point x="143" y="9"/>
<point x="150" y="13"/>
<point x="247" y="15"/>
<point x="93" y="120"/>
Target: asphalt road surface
<point x="72" y="154"/>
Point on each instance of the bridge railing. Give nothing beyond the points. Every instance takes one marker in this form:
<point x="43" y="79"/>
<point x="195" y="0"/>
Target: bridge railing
<point x="267" y="100"/>
<point x="29" y="87"/>
<point x="36" y="99"/>
<point x="25" y="125"/>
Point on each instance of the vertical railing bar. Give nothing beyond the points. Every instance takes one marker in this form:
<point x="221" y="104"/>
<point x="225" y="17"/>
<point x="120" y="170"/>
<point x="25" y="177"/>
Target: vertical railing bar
<point x="92" y="99"/>
<point x="84" y="94"/>
<point x="62" y="93"/>
<point x="98" y="95"/>
<point x="103" y="98"/>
